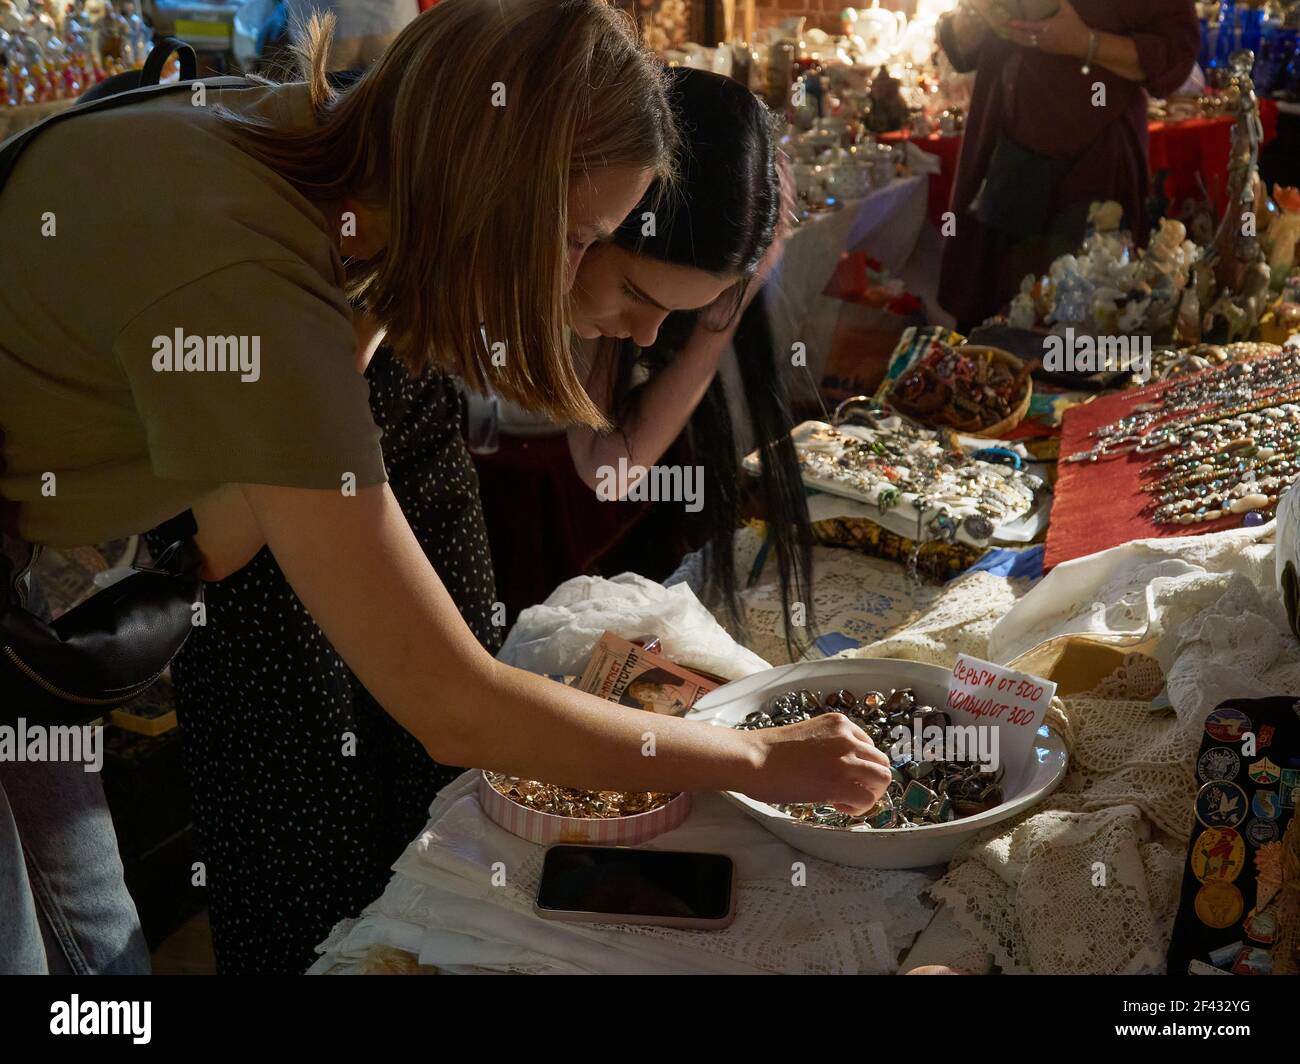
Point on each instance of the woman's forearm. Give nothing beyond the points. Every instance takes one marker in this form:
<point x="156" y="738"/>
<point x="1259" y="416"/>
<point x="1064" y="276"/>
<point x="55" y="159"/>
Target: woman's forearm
<point x="363" y="577"/>
<point x="663" y="406"/>
<point x="1065" y="33"/>
<point x="370" y="587"/>
<point x="1119" y="55"/>
<point x="620" y="748"/>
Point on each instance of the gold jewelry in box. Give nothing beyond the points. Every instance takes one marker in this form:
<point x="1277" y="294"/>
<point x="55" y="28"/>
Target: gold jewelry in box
<point x="568" y="801"/>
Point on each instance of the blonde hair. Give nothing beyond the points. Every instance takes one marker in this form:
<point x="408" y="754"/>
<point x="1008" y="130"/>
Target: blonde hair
<point x="476" y="193"/>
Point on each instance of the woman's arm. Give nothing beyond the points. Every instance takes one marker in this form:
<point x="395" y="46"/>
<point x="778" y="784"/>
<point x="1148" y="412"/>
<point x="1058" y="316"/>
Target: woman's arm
<point x="1065" y="33"/>
<point x="962" y="34"/>
<point x="1118" y="54"/>
<point x="1161" y="52"/>
<point x="663" y="406"/>
<point x="360" y="572"/>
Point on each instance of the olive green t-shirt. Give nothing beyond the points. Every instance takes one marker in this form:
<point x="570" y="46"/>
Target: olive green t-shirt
<point x="172" y="318"/>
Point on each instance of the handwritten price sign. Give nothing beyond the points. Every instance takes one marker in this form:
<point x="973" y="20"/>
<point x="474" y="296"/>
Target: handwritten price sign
<point x="989" y="695"/>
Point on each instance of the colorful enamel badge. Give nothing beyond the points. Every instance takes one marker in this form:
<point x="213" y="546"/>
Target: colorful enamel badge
<point x="1227" y="725"/>
<point x="1219" y="853"/>
<point x="1261" y="832"/>
<point x="1261" y="927"/>
<point x="1266" y="805"/>
<point x="1220" y="804"/>
<point x="1218" y="763"/>
<point x="1264" y="772"/>
<point x="1219" y="904"/>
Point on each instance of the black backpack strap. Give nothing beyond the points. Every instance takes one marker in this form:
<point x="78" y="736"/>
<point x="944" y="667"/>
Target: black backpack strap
<point x="180" y="556"/>
<point x="158" y="56"/>
<point x="149" y="74"/>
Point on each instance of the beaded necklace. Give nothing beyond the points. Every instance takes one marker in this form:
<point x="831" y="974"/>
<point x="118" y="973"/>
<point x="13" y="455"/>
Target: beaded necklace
<point x="1234" y="430"/>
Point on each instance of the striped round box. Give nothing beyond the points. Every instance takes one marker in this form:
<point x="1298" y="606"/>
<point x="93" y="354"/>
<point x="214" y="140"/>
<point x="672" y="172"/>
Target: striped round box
<point x="546" y="828"/>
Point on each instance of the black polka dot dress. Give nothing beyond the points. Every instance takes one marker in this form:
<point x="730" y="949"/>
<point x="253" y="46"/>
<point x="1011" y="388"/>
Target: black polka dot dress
<point x="305" y="791"/>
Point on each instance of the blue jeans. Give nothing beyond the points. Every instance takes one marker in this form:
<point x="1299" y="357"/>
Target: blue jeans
<point x="64" y="907"/>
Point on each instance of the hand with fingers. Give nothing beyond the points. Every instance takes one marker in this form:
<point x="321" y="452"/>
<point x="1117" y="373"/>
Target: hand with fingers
<point x="827" y="760"/>
<point x="1065" y="33"/>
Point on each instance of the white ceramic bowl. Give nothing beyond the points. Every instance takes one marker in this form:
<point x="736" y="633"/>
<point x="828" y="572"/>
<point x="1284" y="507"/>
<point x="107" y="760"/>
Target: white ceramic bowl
<point x="864" y="847"/>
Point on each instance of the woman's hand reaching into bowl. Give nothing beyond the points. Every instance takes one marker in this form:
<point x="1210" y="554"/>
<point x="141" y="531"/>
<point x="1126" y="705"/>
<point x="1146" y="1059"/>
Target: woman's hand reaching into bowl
<point x="827" y="760"/>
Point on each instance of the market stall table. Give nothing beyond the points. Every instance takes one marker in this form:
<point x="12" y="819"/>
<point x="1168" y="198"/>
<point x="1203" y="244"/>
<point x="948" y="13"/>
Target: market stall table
<point x="1195" y="146"/>
<point x="1100" y="504"/>
<point x="1017" y="900"/>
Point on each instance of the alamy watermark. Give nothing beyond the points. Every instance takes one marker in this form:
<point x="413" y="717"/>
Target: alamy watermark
<point x="53" y="742"/>
<point x="180" y="353"/>
<point x="954" y="742"/>
<point x="636" y="483"/>
<point x="78" y="1017"/>
<point x="1074" y="353"/>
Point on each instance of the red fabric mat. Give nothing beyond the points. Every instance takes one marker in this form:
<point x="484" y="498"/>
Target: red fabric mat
<point x="1098" y="505"/>
<point x="1185" y="149"/>
<point x="948" y="149"/>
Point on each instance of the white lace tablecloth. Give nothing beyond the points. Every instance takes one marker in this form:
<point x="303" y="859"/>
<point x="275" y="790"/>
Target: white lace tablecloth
<point x="462" y="894"/>
<point x="864" y="598"/>
<point x="1088" y="881"/>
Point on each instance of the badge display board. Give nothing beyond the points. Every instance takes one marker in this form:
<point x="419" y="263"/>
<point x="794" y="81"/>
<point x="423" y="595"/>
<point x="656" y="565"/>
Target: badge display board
<point x="1247" y="786"/>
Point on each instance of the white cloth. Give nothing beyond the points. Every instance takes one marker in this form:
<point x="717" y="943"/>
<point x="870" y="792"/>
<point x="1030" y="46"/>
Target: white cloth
<point x="444" y="905"/>
<point x="557" y="637"/>
<point x="1088" y="881"/>
<point x="1128" y="595"/>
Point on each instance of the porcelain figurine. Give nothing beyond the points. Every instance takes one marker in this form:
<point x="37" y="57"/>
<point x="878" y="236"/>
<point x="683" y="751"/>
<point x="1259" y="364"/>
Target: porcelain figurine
<point x="1106" y="217"/>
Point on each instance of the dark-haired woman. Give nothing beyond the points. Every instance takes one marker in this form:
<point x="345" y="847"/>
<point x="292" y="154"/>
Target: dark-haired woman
<point x="660" y="305"/>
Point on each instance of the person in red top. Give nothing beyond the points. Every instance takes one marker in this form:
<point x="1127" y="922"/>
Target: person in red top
<point x="1058" y="120"/>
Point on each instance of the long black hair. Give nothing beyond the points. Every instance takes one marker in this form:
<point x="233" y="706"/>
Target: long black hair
<point x="721" y="216"/>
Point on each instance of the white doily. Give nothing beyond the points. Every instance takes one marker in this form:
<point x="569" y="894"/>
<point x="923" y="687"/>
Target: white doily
<point x="462" y="899"/>
<point x="1088" y="881"/>
<point x="958" y="622"/>
<point x="862" y="597"/>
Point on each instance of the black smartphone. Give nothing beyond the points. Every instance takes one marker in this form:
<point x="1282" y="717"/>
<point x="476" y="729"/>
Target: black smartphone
<point x="623" y="885"/>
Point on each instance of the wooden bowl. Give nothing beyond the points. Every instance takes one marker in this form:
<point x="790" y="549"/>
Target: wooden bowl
<point x="1001" y="428"/>
<point x="1016" y="416"/>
